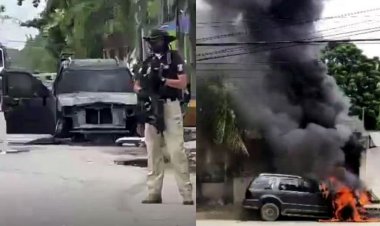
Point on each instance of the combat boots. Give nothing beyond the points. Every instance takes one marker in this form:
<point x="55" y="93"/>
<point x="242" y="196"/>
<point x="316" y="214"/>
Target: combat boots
<point x="152" y="199"/>
<point x="188" y="200"/>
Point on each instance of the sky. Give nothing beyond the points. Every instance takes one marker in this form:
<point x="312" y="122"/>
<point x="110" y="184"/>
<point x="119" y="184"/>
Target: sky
<point x="12" y="35"/>
<point x="345" y="26"/>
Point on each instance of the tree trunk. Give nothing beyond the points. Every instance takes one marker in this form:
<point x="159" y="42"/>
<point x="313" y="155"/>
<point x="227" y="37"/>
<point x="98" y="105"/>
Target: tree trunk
<point x="192" y="32"/>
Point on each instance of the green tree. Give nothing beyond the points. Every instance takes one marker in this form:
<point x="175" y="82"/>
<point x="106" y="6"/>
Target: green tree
<point x="218" y="134"/>
<point x="79" y="26"/>
<point x="35" y="57"/>
<point x="359" y="77"/>
<point x="217" y="121"/>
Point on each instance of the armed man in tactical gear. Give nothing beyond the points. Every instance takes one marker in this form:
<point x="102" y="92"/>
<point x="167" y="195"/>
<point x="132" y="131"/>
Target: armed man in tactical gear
<point x="159" y="85"/>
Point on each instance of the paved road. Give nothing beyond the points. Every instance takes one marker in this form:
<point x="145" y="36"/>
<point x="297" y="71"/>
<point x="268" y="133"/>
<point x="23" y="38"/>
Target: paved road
<point x="298" y="223"/>
<point x="81" y="186"/>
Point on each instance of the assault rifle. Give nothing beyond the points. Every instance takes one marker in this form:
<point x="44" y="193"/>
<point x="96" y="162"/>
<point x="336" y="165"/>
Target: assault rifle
<point x="152" y="105"/>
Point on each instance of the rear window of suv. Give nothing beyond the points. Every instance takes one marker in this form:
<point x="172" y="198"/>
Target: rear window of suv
<point x="261" y="183"/>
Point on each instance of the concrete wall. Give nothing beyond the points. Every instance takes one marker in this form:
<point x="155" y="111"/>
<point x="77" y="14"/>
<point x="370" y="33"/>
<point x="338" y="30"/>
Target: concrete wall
<point x="363" y="164"/>
<point x="213" y="191"/>
<point x="371" y="169"/>
<point x="240" y="186"/>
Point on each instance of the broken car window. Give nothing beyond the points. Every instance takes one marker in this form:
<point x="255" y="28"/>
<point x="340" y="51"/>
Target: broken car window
<point x="108" y="80"/>
<point x="290" y="185"/>
<point x="20" y="85"/>
<point x="263" y="183"/>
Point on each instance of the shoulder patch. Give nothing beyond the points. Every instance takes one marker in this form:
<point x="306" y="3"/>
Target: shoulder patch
<point x="180" y="67"/>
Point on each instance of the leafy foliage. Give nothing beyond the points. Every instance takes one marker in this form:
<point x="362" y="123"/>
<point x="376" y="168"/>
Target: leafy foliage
<point x="35" y="57"/>
<point x="359" y="78"/>
<point x="79" y="26"/>
<point x="216" y="118"/>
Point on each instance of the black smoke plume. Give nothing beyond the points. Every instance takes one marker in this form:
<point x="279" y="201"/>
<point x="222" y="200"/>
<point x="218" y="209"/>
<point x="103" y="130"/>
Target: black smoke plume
<point x="299" y="109"/>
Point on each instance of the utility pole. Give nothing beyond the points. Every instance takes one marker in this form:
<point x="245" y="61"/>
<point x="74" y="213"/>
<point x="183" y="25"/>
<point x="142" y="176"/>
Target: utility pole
<point x="141" y="21"/>
<point x="192" y="30"/>
<point x="144" y="23"/>
<point x="179" y="30"/>
<point x="165" y="13"/>
<point x="192" y="38"/>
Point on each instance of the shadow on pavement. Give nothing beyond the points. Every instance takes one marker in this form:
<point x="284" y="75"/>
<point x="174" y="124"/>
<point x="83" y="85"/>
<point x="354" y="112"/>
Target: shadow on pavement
<point x="138" y="162"/>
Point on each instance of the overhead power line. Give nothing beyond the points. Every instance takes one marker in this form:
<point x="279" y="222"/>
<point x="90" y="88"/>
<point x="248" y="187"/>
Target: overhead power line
<point x="344" y="15"/>
<point x="336" y="35"/>
<point x="287" y="42"/>
<point x="235" y="34"/>
<point x="262" y="50"/>
<point x="232" y="23"/>
<point x="318" y="18"/>
<point x="229" y="50"/>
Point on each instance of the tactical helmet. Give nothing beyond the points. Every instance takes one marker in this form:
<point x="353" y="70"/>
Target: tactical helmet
<point x="158" y="34"/>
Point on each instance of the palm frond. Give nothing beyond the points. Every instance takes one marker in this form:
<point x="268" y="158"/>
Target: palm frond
<point x="216" y="119"/>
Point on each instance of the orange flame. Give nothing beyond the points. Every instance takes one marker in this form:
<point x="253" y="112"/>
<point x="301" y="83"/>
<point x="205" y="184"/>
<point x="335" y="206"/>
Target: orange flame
<point x="348" y="204"/>
<point x="346" y="199"/>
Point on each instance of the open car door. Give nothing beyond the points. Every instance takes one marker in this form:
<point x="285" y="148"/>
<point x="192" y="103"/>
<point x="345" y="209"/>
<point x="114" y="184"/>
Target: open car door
<point x="28" y="104"/>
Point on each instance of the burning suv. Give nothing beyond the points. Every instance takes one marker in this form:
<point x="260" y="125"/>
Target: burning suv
<point x="94" y="96"/>
<point x="276" y="195"/>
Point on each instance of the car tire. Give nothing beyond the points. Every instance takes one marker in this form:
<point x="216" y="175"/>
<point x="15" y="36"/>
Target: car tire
<point x="269" y="212"/>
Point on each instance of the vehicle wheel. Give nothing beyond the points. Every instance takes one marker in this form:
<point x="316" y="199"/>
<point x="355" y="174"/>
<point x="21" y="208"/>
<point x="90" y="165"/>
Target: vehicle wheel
<point x="270" y="212"/>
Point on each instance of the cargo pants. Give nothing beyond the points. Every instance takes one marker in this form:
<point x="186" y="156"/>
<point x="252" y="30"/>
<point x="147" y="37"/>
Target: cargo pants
<point x="173" y="138"/>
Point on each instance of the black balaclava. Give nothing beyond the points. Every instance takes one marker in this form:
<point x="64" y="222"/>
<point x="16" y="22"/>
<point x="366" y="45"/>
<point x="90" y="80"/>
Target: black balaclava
<point x="158" y="45"/>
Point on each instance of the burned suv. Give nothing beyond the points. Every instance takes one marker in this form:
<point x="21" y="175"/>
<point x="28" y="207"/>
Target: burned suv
<point x="94" y="96"/>
<point x="276" y="195"/>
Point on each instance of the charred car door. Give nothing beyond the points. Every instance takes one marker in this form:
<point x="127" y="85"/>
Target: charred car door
<point x="313" y="201"/>
<point x="301" y="199"/>
<point x="27" y="103"/>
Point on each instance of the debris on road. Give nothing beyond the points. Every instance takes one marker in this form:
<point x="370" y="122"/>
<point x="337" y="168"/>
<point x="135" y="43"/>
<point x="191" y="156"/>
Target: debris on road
<point x="15" y="151"/>
<point x="139" y="162"/>
<point x="137" y="141"/>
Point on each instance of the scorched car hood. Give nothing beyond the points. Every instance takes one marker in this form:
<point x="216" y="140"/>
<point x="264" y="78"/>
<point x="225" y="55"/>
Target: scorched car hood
<point x="81" y="98"/>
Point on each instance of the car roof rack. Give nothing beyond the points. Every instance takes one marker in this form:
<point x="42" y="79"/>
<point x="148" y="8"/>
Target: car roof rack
<point x="279" y="175"/>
